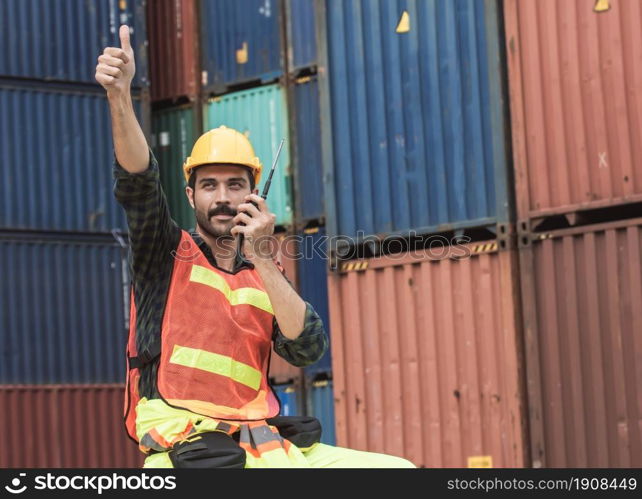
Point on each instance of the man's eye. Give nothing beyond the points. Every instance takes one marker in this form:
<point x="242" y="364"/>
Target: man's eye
<point x="235" y="185"/>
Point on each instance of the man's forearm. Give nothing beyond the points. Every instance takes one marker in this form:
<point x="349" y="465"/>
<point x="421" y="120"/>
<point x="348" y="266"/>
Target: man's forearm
<point x="130" y="145"/>
<point x="288" y="307"/>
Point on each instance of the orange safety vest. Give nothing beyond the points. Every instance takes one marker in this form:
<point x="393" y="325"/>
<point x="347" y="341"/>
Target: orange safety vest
<point x="215" y="343"/>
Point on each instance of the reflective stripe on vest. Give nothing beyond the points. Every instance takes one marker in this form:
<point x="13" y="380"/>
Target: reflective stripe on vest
<point x="217" y="364"/>
<point x="241" y="296"/>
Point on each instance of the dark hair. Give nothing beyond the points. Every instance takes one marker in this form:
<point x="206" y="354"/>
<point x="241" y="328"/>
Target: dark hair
<point x="192" y="178"/>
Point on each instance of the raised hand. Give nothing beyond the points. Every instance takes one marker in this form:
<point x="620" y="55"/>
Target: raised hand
<point x="116" y="67"/>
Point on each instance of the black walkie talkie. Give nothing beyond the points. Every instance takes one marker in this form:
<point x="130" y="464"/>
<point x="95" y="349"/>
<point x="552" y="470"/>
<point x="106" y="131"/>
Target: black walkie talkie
<point x="266" y="188"/>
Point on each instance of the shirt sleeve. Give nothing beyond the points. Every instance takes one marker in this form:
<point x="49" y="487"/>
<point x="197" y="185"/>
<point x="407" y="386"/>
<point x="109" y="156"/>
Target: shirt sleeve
<point x="153" y="235"/>
<point x="308" y="347"/>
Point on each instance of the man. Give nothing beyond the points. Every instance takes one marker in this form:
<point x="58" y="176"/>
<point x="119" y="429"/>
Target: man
<point x="204" y="316"/>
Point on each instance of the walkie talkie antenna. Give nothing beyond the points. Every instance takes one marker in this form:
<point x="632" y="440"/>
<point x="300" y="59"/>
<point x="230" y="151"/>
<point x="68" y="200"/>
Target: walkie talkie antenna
<point x="266" y="189"/>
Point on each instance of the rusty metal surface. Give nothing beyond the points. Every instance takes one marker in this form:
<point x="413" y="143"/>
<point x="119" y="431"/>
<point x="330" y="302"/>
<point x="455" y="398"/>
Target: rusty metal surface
<point x="575" y="80"/>
<point x="65" y="426"/>
<point x="582" y="296"/>
<point x="426" y="357"/>
<point x="173" y="49"/>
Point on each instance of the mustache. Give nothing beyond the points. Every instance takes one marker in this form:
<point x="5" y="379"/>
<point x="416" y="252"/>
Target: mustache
<point x="222" y="210"/>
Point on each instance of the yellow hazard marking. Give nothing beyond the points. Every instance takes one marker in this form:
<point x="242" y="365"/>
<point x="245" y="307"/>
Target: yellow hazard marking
<point x="240" y="296"/>
<point x="303" y="79"/>
<point x="348" y="267"/>
<point x="403" y="26"/>
<point x="122" y="4"/>
<point x="484" y="248"/>
<point x="312" y="230"/>
<point x="241" y="54"/>
<point x="216" y="364"/>
<point x="480" y="462"/>
<point x="602" y="5"/>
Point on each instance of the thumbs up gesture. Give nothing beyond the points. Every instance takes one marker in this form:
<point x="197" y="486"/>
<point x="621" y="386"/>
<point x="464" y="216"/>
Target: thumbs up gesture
<point x="116" y="67"/>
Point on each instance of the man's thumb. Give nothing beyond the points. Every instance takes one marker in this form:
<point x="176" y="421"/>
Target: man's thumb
<point x="124" y="37"/>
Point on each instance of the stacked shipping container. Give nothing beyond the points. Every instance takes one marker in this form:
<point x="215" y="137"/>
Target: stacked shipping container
<point x="395" y="116"/>
<point x="64" y="294"/>
<point x="425" y="353"/>
<point x="582" y="320"/>
<point x="575" y="80"/>
<point x="426" y="356"/>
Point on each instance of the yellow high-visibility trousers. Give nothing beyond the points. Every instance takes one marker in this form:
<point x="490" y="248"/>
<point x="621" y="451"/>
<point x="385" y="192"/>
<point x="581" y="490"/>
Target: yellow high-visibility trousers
<point x="317" y="456"/>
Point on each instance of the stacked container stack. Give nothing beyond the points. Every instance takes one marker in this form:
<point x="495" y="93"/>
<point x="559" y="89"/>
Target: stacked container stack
<point x="422" y="283"/>
<point x="62" y="257"/>
<point x="305" y="131"/>
<point x="575" y="79"/>
<point x="174" y="66"/>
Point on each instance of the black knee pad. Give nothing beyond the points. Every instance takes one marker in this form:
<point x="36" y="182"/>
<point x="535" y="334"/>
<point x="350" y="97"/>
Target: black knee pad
<point x="213" y="449"/>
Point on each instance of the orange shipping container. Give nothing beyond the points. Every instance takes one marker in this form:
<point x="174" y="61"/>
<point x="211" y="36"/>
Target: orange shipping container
<point x="582" y="294"/>
<point x="65" y="426"/>
<point x="575" y="83"/>
<point x="426" y="357"/>
<point x="174" y="64"/>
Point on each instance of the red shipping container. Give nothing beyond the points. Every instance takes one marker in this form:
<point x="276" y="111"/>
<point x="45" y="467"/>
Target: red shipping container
<point x="65" y="426"/>
<point x="582" y="305"/>
<point x="426" y="357"/>
<point x="575" y="83"/>
<point x="172" y="28"/>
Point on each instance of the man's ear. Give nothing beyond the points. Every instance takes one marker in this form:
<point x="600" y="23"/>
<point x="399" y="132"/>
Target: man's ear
<point x="189" y="192"/>
<point x="255" y="191"/>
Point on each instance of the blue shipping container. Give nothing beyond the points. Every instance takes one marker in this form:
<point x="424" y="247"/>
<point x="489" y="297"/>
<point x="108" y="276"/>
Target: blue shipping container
<point x="240" y="42"/>
<point x="321" y="406"/>
<point x="62" y="40"/>
<point x="313" y="285"/>
<point x="64" y="311"/>
<point x="301" y="30"/>
<point x="416" y="135"/>
<point x="289" y="400"/>
<point x="308" y="162"/>
<point x="56" y="158"/>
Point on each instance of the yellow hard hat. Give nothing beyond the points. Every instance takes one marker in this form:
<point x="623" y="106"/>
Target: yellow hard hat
<point x="223" y="145"/>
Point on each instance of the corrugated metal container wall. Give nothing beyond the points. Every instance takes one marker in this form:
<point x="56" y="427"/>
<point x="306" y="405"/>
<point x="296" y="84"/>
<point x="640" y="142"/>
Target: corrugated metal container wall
<point x="575" y="79"/>
<point x="308" y="162"/>
<point x="313" y="285"/>
<point x="289" y="400"/>
<point x="301" y="30"/>
<point x="62" y="40"/>
<point x="322" y="407"/>
<point x="582" y="290"/>
<point x="280" y="370"/>
<point x="63" y="317"/>
<point x="63" y="426"/>
<point x="173" y="135"/>
<point x="416" y="135"/>
<point x="174" y="60"/>
<point x="261" y="115"/>
<point x="65" y="182"/>
<point x="425" y="357"/>
<point x="240" y="42"/>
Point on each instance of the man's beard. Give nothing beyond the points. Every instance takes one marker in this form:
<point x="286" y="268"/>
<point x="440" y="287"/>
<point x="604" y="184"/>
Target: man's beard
<point x="203" y="221"/>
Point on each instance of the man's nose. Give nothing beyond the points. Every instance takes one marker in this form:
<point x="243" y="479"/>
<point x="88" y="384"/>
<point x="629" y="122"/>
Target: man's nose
<point x="222" y="195"/>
